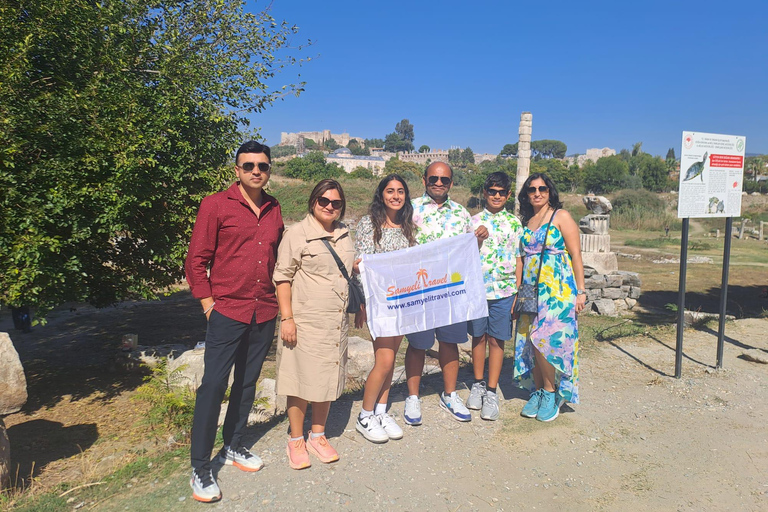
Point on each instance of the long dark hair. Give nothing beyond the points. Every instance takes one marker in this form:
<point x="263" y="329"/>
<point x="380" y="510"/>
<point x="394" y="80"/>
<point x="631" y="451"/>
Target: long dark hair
<point x="321" y="188"/>
<point x="404" y="215"/>
<point x="526" y="208"/>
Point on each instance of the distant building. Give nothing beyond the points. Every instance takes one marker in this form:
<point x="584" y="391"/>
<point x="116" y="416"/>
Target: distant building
<point x="592" y="155"/>
<point x="348" y="161"/>
<point x="296" y="139"/>
<point x="433" y="155"/>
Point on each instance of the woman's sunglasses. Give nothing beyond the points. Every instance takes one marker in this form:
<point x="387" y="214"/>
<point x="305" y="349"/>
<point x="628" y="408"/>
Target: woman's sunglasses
<point x="324" y="201"/>
<point x="496" y="192"/>
<point x="445" y="180"/>
<point x="250" y="166"/>
<point x="541" y="189"/>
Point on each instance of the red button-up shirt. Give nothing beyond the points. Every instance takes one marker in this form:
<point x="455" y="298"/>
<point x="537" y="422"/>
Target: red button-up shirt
<point x="240" y="249"/>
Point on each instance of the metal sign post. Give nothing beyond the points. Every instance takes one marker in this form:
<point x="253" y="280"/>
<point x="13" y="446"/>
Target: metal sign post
<point x="724" y="290"/>
<point x="681" y="299"/>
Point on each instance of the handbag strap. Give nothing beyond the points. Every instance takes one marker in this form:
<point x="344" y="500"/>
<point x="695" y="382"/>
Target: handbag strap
<point x="338" y="260"/>
<point x="544" y="245"/>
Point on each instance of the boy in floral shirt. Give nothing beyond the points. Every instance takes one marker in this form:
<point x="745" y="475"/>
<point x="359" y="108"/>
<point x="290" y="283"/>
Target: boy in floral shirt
<point x="498" y="263"/>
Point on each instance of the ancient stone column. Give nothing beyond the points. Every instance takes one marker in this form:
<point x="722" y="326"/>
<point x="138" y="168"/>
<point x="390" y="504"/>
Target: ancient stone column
<point x="523" y="152"/>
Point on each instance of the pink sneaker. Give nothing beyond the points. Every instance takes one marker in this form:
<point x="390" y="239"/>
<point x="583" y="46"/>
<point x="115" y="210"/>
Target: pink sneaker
<point x="321" y="449"/>
<point x="298" y="458"/>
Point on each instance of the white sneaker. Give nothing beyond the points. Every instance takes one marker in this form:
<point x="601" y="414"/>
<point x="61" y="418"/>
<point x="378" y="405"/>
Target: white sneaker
<point x="455" y="405"/>
<point x="204" y="486"/>
<point x="390" y="426"/>
<point x="371" y="429"/>
<point x="412" y="415"/>
<point x="241" y="459"/>
<point x="490" y="406"/>
<point x="476" y="394"/>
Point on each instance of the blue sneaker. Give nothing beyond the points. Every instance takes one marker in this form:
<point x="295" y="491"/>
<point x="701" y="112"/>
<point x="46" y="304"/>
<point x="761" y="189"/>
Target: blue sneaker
<point x="455" y="405"/>
<point x="549" y="408"/>
<point x="531" y="409"/>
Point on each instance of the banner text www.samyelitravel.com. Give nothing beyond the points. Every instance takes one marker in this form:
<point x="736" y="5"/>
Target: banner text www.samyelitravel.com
<point x="431" y="298"/>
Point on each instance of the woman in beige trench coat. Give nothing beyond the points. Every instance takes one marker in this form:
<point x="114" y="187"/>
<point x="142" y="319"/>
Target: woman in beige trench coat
<point x="312" y="295"/>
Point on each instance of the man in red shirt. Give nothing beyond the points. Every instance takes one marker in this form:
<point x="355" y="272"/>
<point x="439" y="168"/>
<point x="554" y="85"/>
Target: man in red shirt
<point x="229" y="268"/>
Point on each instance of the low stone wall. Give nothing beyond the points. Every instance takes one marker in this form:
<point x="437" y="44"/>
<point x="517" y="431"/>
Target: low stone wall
<point x="613" y="293"/>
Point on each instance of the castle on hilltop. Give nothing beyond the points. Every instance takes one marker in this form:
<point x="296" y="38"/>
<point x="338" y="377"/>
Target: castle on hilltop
<point x="593" y="155"/>
<point x="296" y="139"/>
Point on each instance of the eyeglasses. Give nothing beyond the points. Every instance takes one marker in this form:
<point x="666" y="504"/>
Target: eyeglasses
<point x="496" y="192"/>
<point x="540" y="188"/>
<point x="250" y="166"/>
<point x="445" y="180"/>
<point x="324" y="201"/>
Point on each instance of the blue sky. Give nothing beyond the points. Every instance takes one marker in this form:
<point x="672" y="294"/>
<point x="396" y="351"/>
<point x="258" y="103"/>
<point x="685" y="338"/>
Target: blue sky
<point x="593" y="74"/>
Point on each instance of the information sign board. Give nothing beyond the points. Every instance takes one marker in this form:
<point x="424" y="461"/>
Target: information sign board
<point x="711" y="175"/>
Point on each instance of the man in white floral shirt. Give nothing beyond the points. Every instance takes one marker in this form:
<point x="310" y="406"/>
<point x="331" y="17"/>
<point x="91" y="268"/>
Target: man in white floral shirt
<point x="437" y="216"/>
<point x="497" y="255"/>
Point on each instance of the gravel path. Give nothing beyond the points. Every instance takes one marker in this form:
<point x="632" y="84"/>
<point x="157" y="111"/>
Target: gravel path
<point x="641" y="440"/>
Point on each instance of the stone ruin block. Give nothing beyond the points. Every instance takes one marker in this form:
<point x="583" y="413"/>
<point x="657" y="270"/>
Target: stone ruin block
<point x="613" y="281"/>
<point x="634" y="292"/>
<point x="596" y="281"/>
<point x="613" y="293"/>
<point x="605" y="307"/>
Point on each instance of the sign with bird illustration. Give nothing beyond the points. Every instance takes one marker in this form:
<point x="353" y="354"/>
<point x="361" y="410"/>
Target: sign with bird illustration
<point x="711" y="175"/>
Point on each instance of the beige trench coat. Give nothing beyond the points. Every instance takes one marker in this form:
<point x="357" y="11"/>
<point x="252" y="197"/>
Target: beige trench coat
<point x="315" y="369"/>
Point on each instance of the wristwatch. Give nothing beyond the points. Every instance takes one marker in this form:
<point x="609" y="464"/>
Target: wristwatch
<point x="581" y="292"/>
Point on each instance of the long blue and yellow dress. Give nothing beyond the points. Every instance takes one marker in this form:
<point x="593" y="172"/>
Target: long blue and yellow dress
<point x="554" y="331"/>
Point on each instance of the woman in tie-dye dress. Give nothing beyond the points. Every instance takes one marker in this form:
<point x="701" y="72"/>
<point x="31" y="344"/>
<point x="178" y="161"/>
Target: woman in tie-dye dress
<point x="547" y="344"/>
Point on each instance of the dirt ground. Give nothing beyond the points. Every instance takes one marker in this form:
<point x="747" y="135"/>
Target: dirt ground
<point x="640" y="439"/>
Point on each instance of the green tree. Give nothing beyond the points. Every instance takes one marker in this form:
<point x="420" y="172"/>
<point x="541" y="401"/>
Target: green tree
<point x="405" y="130"/>
<point x="394" y="143"/>
<point x="310" y="144"/>
<point x="424" y="149"/>
<point x="410" y="171"/>
<point x="117" y="119"/>
<point x="509" y="150"/>
<point x="312" y="167"/>
<point x="637" y="148"/>
<point x="357" y="149"/>
<point x="331" y="144"/>
<point x="467" y="156"/>
<point x="281" y="151"/>
<point x="374" y="143"/>
<point x="608" y="174"/>
<point x="671" y="154"/>
<point x="362" y="173"/>
<point x="547" y="148"/>
<point x="454" y="156"/>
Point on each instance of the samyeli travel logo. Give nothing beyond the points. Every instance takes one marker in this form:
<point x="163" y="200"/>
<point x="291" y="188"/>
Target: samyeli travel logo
<point x="424" y="284"/>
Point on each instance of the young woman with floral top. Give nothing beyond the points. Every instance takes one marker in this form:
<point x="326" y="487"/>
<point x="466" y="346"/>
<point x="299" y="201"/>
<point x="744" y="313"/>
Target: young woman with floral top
<point x="388" y="227"/>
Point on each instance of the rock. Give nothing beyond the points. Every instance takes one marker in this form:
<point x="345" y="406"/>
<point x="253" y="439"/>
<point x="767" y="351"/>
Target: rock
<point x="593" y="295"/>
<point x="613" y="281"/>
<point x="5" y="458"/>
<point x="589" y="272"/>
<point x="630" y="302"/>
<point x="629" y="256"/>
<point x="755" y="355"/>
<point x="613" y="293"/>
<point x="597" y="204"/>
<point x="605" y="307"/>
<point x="620" y="305"/>
<point x="692" y="317"/>
<point x="13" y="384"/>
<point x="602" y="262"/>
<point x="631" y="278"/>
<point x="360" y="359"/>
<point x="634" y="292"/>
<point x="267" y="389"/>
<point x="595" y="282"/>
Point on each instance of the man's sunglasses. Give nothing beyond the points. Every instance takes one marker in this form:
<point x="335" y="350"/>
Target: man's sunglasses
<point x="541" y="188"/>
<point x="324" y="201"/>
<point x="445" y="180"/>
<point x="496" y="192"/>
<point x="250" y="166"/>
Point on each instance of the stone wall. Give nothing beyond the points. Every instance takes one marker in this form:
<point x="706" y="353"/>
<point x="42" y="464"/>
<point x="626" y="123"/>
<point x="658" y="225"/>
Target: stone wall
<point x="613" y="293"/>
<point x="292" y="139"/>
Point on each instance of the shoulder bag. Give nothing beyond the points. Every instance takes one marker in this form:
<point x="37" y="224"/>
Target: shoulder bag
<point x="527" y="302"/>
<point x="356" y="295"/>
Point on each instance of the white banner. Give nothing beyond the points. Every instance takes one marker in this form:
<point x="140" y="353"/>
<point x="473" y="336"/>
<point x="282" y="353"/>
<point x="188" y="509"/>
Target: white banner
<point x="423" y="287"/>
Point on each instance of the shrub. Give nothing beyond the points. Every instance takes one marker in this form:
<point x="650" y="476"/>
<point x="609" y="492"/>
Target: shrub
<point x="171" y="404"/>
<point x="641" y="210"/>
<point x="361" y="172"/>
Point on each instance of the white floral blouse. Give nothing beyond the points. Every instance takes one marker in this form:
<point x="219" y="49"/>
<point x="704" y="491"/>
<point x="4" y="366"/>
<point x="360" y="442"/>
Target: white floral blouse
<point x="392" y="239"/>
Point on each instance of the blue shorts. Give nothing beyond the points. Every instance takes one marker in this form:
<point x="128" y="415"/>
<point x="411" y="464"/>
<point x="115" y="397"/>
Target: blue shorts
<point x="454" y="333"/>
<point x="498" y="323"/>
